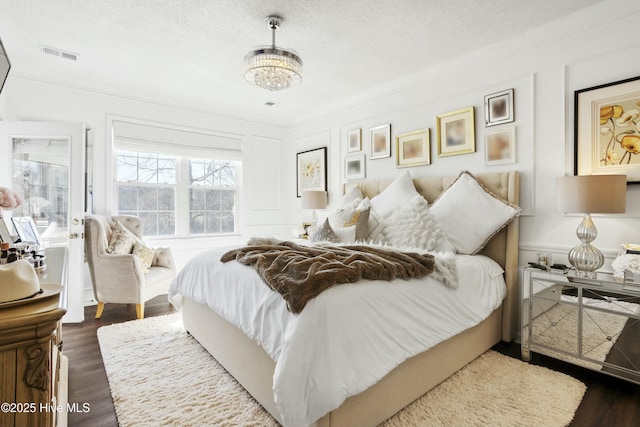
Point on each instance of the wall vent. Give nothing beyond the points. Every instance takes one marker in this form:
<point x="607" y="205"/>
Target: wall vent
<point x="58" y="52"/>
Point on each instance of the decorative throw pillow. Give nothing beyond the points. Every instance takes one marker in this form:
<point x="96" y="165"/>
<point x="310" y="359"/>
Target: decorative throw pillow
<point x="354" y="195"/>
<point x="324" y="234"/>
<point x="412" y="225"/>
<point x="400" y="191"/>
<point x="122" y="240"/>
<point x="346" y="234"/>
<point x="145" y="253"/>
<point x="358" y="217"/>
<point x="471" y="214"/>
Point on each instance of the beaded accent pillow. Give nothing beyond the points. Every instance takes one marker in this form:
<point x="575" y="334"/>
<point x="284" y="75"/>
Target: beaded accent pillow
<point x="325" y="234"/>
<point x="121" y="241"/>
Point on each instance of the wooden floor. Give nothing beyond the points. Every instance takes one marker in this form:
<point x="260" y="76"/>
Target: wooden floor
<point x="607" y="402"/>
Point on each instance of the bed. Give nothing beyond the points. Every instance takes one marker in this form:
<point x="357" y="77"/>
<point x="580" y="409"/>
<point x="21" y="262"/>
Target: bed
<point x="254" y="367"/>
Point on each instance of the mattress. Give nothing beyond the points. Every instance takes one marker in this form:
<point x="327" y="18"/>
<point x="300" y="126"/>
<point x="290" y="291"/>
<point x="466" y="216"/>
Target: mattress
<point x="350" y="336"/>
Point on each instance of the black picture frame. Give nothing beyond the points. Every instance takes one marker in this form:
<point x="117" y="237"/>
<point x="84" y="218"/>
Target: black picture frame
<point x="589" y="133"/>
<point x="305" y="178"/>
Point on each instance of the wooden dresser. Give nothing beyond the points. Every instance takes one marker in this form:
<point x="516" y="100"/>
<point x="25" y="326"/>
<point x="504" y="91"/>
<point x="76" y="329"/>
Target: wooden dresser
<point x="33" y="370"/>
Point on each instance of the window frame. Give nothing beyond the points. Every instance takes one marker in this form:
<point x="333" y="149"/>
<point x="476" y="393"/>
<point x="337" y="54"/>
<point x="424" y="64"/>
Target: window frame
<point x="182" y="196"/>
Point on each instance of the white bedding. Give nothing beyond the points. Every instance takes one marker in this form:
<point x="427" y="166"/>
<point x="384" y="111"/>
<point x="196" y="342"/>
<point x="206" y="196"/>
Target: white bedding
<point x="350" y="336"/>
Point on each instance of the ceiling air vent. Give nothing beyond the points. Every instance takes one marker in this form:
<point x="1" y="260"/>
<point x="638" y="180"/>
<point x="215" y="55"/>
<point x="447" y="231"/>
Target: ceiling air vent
<point x="58" y="52"/>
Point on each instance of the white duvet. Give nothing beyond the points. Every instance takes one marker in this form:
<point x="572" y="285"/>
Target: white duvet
<point x="350" y="336"/>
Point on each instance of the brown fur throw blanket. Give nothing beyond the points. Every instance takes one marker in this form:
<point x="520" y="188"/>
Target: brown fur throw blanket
<point x="300" y="273"/>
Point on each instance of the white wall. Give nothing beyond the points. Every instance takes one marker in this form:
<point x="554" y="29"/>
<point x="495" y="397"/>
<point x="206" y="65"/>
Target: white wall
<point x="264" y="150"/>
<point x="595" y="46"/>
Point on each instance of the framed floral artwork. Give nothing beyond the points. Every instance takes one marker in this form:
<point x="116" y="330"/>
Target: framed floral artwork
<point x="607" y="129"/>
<point x="500" y="146"/>
<point x="354" y="167"/>
<point x="498" y="108"/>
<point x="413" y="149"/>
<point x="380" y="142"/>
<point x="311" y="169"/>
<point x="354" y="141"/>
<point x="456" y="132"/>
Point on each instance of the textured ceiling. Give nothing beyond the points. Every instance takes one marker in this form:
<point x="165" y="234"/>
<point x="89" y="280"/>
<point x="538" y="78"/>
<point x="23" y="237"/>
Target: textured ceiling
<point x="191" y="51"/>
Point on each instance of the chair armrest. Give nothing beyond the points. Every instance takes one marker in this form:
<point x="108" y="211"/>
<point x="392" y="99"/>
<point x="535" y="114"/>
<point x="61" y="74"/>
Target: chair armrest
<point x="164" y="258"/>
<point x="116" y="263"/>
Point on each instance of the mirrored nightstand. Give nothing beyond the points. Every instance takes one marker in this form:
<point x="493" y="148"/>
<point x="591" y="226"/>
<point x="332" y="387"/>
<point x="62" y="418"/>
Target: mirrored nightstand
<point x="594" y="323"/>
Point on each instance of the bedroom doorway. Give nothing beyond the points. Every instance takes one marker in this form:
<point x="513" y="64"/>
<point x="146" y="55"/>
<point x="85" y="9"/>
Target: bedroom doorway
<point x="45" y="164"/>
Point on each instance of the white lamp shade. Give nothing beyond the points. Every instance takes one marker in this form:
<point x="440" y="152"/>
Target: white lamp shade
<point x="605" y="194"/>
<point x="314" y="199"/>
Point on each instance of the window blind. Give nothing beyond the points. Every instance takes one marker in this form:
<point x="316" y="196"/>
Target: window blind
<point x="155" y="139"/>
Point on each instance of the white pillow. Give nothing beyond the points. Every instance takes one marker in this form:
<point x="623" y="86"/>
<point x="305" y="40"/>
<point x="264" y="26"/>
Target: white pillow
<point x="412" y="225"/>
<point x="470" y="214"/>
<point x="400" y="191"/>
<point x="346" y="234"/>
<point x="350" y="197"/>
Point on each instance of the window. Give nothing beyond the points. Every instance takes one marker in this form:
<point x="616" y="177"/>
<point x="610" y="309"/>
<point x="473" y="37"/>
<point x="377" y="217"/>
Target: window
<point x="178" y="195"/>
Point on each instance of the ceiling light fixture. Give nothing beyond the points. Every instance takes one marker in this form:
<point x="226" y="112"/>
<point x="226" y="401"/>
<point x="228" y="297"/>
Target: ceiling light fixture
<point x="271" y="67"/>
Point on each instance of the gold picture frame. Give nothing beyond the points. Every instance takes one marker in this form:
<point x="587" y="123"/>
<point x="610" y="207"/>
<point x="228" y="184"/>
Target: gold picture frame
<point x="354" y="140"/>
<point x="456" y="132"/>
<point x="413" y="149"/>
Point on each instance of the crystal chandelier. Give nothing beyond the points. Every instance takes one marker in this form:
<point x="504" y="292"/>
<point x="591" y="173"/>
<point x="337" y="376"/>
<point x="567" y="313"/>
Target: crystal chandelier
<point x="271" y="67"/>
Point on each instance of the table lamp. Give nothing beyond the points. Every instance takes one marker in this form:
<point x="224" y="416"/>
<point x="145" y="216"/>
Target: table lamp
<point x="589" y="194"/>
<point x="314" y="200"/>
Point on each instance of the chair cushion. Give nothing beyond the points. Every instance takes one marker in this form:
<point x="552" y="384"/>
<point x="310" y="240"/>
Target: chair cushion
<point x="144" y="252"/>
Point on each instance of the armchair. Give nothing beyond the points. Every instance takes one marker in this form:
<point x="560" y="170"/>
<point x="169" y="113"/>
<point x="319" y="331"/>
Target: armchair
<point x="121" y="278"/>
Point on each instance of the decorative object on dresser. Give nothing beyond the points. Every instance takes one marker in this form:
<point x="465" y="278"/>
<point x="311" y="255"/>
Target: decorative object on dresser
<point x="314" y="200"/>
<point x="500" y="146"/>
<point x="604" y="194"/>
<point x="355" y="167"/>
<point x="311" y="169"/>
<point x="9" y="200"/>
<point x="591" y="322"/>
<point x="123" y="269"/>
<point x="413" y="149"/>
<point x="498" y="108"/>
<point x="34" y="371"/>
<point x="456" y="132"/>
<point x="380" y="142"/>
<point x="627" y="263"/>
<point x="606" y="129"/>
<point x="273" y="67"/>
<point x="354" y="140"/>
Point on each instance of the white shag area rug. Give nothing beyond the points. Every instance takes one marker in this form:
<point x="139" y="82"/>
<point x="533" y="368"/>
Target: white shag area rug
<point x="160" y="376"/>
<point x="557" y="327"/>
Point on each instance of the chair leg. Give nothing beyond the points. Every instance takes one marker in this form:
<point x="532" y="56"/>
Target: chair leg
<point x="140" y="311"/>
<point x="99" y="310"/>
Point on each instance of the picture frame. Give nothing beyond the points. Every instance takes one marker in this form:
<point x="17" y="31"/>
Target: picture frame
<point x="311" y="170"/>
<point x="380" y="141"/>
<point x="500" y="146"/>
<point x="355" y="167"/>
<point x="26" y="229"/>
<point x="354" y="140"/>
<point x="413" y="149"/>
<point x="498" y="108"/>
<point x="456" y="132"/>
<point x="607" y="129"/>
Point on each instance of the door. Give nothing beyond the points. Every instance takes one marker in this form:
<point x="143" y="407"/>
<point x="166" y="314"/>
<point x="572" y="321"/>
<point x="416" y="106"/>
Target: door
<point x="44" y="163"/>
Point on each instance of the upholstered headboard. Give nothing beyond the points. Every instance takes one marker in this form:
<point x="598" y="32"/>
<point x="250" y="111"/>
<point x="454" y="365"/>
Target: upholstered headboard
<point x="503" y="247"/>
